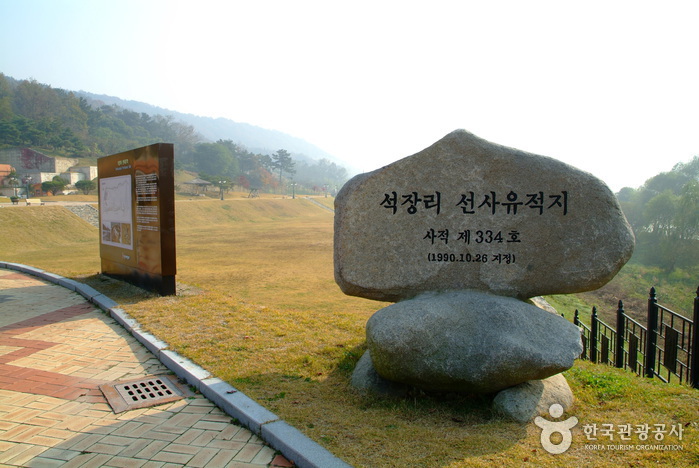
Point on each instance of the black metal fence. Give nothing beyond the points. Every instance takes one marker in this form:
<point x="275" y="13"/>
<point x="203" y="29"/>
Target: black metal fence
<point x="666" y="345"/>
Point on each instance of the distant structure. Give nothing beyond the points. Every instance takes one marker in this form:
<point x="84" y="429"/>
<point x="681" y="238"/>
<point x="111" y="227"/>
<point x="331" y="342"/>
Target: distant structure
<point x="5" y="187"/>
<point x="29" y="163"/>
<point x="5" y="170"/>
<point x="199" y="184"/>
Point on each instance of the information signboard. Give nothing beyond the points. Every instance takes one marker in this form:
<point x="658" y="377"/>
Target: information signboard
<point x="137" y="217"/>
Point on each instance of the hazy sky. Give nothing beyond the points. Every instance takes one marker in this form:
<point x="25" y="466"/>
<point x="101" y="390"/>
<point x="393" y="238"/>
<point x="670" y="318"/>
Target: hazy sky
<point x="611" y="87"/>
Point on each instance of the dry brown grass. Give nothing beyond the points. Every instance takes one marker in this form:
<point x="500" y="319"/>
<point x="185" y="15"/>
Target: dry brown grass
<point x="49" y="237"/>
<point x="263" y="312"/>
<point x="70" y="198"/>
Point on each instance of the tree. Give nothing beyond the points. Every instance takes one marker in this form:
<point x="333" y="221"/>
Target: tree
<point x="8" y="133"/>
<point x="243" y="182"/>
<point x="320" y="173"/>
<point x="664" y="214"/>
<point x="13" y="180"/>
<point x="5" y="99"/>
<point x="689" y="169"/>
<point x="688" y="211"/>
<point x="86" y="186"/>
<point x="33" y="100"/>
<point x="59" y="182"/>
<point x="53" y="186"/>
<point x="215" y="159"/>
<point x="281" y="161"/>
<point x="49" y="187"/>
<point x="262" y="177"/>
<point x="660" y="213"/>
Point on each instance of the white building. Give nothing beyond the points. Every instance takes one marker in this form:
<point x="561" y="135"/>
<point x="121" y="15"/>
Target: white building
<point x="41" y="168"/>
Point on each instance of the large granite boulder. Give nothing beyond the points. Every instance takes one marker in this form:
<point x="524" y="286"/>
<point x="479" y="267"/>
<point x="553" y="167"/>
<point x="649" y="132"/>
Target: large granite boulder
<point x="469" y="341"/>
<point x="469" y="214"/>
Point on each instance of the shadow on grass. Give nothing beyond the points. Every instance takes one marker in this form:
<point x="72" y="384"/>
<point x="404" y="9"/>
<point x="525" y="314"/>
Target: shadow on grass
<point x="126" y="293"/>
<point x="366" y="429"/>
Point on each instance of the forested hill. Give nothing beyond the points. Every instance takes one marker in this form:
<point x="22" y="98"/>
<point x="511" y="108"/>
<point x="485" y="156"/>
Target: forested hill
<point x="255" y="139"/>
<point x="63" y="123"/>
<point x="664" y="215"/>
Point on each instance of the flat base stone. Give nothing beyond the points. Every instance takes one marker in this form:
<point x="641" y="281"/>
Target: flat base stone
<point x="534" y="398"/>
<point x="366" y="378"/>
<point x="469" y="342"/>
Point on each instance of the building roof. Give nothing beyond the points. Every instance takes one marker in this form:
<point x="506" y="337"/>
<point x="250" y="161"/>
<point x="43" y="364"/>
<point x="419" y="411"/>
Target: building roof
<point x="198" y="182"/>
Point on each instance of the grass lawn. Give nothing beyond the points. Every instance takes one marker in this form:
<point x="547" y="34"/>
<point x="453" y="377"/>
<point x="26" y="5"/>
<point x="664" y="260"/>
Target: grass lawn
<point x="259" y="308"/>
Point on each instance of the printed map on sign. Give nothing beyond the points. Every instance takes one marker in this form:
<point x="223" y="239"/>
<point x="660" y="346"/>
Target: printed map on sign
<point x="116" y="211"/>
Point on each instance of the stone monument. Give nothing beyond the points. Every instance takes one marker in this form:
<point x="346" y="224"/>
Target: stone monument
<point x="461" y="236"/>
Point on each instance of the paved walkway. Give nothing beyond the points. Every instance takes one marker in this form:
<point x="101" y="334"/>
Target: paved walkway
<point x="55" y="350"/>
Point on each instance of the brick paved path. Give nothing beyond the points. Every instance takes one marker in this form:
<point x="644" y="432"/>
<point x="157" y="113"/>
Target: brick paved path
<point x="55" y="349"/>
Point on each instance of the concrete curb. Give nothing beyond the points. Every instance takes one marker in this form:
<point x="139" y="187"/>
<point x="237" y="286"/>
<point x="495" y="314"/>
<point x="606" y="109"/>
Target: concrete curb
<point x="238" y="405"/>
<point x="302" y="450"/>
<point x="292" y="443"/>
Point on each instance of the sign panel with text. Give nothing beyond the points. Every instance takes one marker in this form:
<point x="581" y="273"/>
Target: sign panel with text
<point x="137" y="217"/>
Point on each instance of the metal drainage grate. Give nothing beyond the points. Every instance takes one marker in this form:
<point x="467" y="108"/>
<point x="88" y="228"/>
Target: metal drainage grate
<point x="144" y="392"/>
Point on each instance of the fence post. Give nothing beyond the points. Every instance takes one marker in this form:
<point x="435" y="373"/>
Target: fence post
<point x="594" y="326"/>
<point x="694" y="365"/>
<point x="620" y="326"/>
<point x="576" y="318"/>
<point x="652" y="333"/>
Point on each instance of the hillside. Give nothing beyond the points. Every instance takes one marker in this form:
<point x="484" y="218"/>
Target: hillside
<point x="57" y="122"/>
<point x="255" y="139"/>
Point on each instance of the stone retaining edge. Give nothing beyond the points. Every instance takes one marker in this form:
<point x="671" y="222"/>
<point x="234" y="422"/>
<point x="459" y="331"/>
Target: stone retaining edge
<point x="292" y="443"/>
